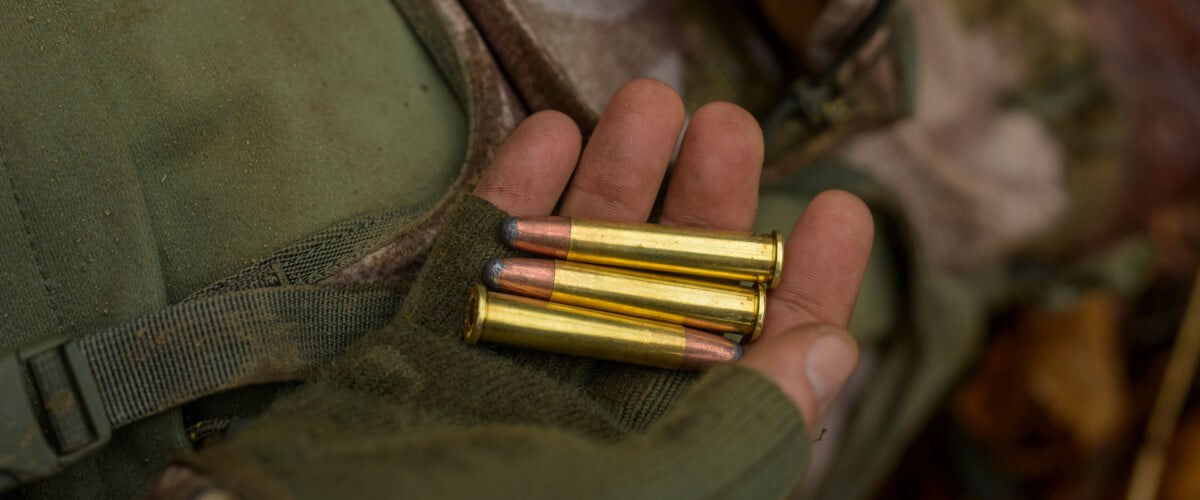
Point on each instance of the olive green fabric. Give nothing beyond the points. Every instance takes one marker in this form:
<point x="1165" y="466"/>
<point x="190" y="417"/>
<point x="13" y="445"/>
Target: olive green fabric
<point x="413" y="411"/>
<point x="150" y="149"/>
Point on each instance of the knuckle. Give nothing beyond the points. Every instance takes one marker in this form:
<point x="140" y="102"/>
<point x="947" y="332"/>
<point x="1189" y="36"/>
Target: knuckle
<point x="609" y="198"/>
<point x="801" y="301"/>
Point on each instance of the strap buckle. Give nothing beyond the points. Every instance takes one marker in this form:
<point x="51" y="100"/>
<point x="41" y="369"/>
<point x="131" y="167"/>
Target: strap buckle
<point x="51" y="413"/>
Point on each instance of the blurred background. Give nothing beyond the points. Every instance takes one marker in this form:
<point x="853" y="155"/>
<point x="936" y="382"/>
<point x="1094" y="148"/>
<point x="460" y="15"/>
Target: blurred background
<point x="1078" y="385"/>
<point x="1034" y="168"/>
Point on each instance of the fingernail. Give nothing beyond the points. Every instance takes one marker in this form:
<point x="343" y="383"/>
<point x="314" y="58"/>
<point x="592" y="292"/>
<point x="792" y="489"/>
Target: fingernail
<point x="828" y="364"/>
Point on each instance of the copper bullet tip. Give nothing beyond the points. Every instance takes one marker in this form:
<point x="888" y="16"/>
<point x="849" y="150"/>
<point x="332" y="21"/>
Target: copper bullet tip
<point x="703" y="350"/>
<point x="492" y="272"/>
<point x="541" y="235"/>
<point x="509" y="232"/>
<point x="522" y="276"/>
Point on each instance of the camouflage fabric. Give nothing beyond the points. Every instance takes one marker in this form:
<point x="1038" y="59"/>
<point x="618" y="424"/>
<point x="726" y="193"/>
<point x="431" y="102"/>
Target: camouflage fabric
<point x="572" y="56"/>
<point x="1012" y="134"/>
<point x="964" y="161"/>
<point x="859" y="60"/>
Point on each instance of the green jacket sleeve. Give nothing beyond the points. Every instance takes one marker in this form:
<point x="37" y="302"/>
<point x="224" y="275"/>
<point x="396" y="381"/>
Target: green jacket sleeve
<point x="410" y="410"/>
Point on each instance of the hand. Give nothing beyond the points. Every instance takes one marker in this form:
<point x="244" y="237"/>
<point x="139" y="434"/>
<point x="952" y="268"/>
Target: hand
<point x="805" y="348"/>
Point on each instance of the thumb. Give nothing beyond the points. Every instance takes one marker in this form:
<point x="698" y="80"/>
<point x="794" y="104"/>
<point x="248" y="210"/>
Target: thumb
<point x="809" y="363"/>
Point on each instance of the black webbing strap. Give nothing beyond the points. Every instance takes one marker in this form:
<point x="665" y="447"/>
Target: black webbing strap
<point x="811" y="99"/>
<point x="78" y="391"/>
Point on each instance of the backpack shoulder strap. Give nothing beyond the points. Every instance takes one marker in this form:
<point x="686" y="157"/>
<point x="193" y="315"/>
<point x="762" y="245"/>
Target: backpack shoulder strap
<point x="64" y="398"/>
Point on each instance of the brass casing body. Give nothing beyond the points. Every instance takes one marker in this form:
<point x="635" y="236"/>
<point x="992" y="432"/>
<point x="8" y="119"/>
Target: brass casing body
<point x="517" y="321"/>
<point x="697" y="252"/>
<point x="707" y="305"/>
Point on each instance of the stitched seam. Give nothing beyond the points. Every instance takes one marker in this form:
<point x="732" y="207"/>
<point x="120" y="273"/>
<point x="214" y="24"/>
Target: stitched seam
<point x="12" y="185"/>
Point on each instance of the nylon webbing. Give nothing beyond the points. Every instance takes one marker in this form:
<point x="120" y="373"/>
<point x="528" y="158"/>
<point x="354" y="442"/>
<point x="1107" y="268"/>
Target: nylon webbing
<point x="205" y="346"/>
<point x="54" y="386"/>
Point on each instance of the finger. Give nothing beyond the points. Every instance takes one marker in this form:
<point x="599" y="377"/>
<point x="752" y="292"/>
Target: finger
<point x="715" y="181"/>
<point x="531" y="169"/>
<point x="823" y="264"/>
<point x="810" y="364"/>
<point x="623" y="164"/>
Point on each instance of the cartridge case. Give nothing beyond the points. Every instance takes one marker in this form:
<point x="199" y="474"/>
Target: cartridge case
<point x="691" y="251"/>
<point x="516" y="321"/>
<point x="702" y="304"/>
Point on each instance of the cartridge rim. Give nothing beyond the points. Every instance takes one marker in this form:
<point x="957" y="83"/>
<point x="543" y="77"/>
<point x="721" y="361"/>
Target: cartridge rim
<point x="777" y="269"/>
<point x="760" y="315"/>
<point x="476" y="314"/>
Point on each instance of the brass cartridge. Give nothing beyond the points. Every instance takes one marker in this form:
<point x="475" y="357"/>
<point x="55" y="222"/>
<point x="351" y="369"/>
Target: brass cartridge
<point x="706" y="305"/>
<point x="516" y="321"/>
<point x="697" y="252"/>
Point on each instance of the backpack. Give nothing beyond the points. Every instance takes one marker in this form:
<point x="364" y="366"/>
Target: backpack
<point x="206" y="202"/>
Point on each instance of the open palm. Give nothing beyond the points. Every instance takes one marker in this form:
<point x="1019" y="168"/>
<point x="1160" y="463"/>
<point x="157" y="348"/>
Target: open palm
<point x="805" y="349"/>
